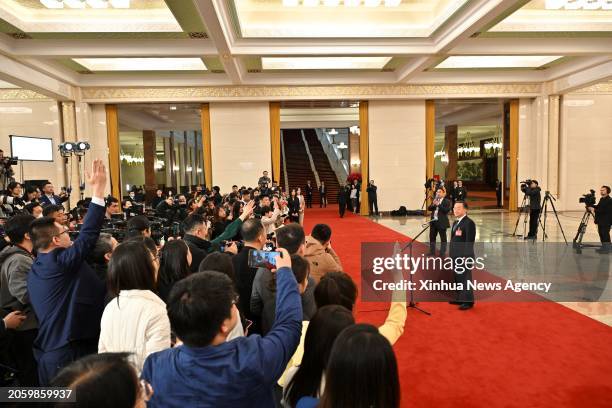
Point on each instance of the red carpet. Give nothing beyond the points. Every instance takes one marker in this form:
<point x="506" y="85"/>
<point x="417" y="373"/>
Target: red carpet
<point x="495" y="355"/>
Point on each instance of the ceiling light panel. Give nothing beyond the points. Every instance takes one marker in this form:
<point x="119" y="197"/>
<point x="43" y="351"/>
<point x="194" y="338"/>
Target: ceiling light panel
<point x="559" y="16"/>
<point x="496" y="61"/>
<point x="89" y="16"/>
<point x="308" y="63"/>
<point x="342" y="18"/>
<point x="142" y="64"/>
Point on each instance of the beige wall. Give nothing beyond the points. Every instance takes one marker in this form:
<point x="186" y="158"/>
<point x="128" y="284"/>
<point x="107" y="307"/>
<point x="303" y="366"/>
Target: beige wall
<point x="91" y="127"/>
<point x="240" y="142"/>
<point x="397" y="152"/>
<point x="37" y="119"/>
<point x="585" y="146"/>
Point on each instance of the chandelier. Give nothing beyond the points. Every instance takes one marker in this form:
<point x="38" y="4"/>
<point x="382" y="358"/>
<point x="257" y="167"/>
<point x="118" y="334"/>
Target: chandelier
<point x="468" y="149"/>
<point x="493" y="147"/>
<point x="131" y="160"/>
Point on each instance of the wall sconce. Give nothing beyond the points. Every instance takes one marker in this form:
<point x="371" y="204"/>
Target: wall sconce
<point x="355" y="162"/>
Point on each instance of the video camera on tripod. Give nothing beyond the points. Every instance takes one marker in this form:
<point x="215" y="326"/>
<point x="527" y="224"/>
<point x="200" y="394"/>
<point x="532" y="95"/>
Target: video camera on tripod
<point x="588" y="200"/>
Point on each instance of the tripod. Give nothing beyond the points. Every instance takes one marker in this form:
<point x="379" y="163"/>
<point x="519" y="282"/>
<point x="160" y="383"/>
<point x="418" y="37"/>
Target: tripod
<point x="548" y="198"/>
<point x="577" y="243"/>
<point x="524" y="211"/>
<point x="409" y="245"/>
<point x="423" y="206"/>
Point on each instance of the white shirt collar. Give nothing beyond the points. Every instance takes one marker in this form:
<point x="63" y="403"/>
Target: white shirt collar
<point x="459" y="219"/>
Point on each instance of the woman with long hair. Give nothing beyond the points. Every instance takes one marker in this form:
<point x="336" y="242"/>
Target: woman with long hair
<point x="302" y="205"/>
<point x="219" y="221"/>
<point x="135" y="321"/>
<point x="308" y="379"/>
<point x="293" y="202"/>
<point x="175" y="264"/>
<point x="361" y="371"/>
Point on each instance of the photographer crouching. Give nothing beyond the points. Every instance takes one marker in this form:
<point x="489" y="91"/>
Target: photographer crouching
<point x="532" y="190"/>
<point x="603" y="219"/>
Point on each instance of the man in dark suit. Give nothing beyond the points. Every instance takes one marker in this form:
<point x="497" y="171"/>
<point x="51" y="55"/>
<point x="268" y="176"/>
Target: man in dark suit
<point x="440" y="207"/>
<point x="254" y="236"/>
<point x="372" y="197"/>
<point x="323" y="195"/>
<point x="49" y="198"/>
<point x="533" y="192"/>
<point x="603" y="219"/>
<point x="343" y="196"/>
<point x="463" y="235"/>
<point x="460" y="193"/>
<point x="498" y="193"/>
<point x="66" y="294"/>
<point x="308" y="190"/>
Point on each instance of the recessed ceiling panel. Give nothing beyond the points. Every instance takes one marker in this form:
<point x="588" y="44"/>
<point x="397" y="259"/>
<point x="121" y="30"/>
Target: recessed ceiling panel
<point x="496" y="61"/>
<point x="558" y="16"/>
<point x="341" y="18"/>
<point x="34" y="16"/>
<point x="291" y="63"/>
<point x="142" y="64"/>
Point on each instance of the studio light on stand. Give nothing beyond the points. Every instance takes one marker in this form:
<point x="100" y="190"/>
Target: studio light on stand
<point x="78" y="149"/>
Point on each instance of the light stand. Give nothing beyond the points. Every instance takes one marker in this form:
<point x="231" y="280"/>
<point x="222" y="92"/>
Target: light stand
<point x="548" y="198"/>
<point x="409" y="245"/>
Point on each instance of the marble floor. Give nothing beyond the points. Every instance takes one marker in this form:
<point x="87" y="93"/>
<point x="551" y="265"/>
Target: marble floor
<point x="498" y="226"/>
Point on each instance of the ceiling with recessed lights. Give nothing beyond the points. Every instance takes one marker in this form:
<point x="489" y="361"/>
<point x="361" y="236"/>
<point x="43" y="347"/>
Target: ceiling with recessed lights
<point x="148" y="43"/>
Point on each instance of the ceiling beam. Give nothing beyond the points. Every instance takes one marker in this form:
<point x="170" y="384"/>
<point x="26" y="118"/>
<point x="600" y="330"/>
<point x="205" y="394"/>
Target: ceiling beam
<point x="22" y="75"/>
<point x="333" y="46"/>
<point x="534" y="46"/>
<point x="580" y="79"/>
<point x="214" y="17"/>
<point x="115" y="48"/>
<point x="159" y="79"/>
<point x="471" y="18"/>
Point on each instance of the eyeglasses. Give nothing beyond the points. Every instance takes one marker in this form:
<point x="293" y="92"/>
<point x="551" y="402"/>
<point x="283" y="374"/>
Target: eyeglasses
<point x="63" y="232"/>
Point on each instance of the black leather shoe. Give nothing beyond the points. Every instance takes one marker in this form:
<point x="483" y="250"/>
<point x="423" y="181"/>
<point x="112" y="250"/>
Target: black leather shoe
<point x="454" y="302"/>
<point x="602" y="251"/>
<point x="466" y="306"/>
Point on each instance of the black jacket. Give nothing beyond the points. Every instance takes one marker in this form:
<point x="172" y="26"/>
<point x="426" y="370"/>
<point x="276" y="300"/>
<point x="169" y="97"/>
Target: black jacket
<point x="343" y="195"/>
<point x="244" y="280"/>
<point x="308" y="189"/>
<point x="294" y="205"/>
<point x="371" y="192"/>
<point x="460" y="194"/>
<point x="534" y="197"/>
<point x="199" y="249"/>
<point x="443" y="210"/>
<point x="603" y="211"/>
<point x="463" y="235"/>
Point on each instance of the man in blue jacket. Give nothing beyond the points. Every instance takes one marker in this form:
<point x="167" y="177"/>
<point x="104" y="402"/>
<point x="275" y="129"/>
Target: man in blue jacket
<point x="208" y="371"/>
<point x="66" y="294"/>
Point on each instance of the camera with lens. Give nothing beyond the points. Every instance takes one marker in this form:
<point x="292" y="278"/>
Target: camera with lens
<point x="9" y="161"/>
<point x="525" y="184"/>
<point x="223" y="244"/>
<point x="588" y="199"/>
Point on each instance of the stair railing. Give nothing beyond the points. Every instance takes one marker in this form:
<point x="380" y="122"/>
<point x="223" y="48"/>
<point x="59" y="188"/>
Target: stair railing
<point x="312" y="165"/>
<point x="334" y="156"/>
<point x="284" y="159"/>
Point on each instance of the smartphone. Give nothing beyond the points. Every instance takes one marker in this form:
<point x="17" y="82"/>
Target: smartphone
<point x="263" y="259"/>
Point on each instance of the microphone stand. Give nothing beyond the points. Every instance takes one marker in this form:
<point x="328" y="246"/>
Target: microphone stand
<point x="409" y="245"/>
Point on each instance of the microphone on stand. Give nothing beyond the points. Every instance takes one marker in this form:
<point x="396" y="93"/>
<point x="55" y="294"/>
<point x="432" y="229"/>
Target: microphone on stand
<point x="429" y="222"/>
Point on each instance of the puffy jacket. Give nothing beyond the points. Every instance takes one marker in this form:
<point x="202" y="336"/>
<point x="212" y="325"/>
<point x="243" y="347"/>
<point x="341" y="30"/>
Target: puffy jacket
<point x="15" y="263"/>
<point x="322" y="260"/>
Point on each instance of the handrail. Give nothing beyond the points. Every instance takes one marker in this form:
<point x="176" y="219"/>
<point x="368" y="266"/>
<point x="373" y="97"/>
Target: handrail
<point x="339" y="165"/>
<point x="284" y="159"/>
<point x="312" y="165"/>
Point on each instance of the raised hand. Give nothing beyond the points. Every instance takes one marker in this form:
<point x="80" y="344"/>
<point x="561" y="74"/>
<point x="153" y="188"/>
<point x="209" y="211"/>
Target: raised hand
<point x="247" y="210"/>
<point x="97" y="178"/>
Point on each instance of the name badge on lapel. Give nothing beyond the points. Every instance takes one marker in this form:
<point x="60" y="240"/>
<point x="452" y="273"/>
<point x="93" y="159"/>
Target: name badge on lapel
<point x="458" y="233"/>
